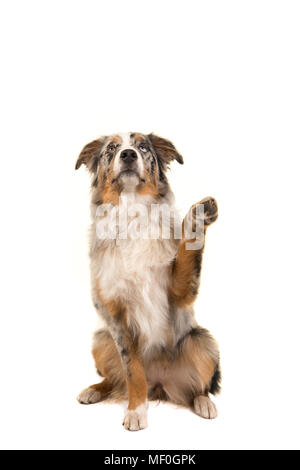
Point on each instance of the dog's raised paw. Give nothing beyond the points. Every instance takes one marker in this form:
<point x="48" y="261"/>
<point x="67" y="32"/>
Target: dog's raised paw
<point x="135" y="420"/>
<point x="88" y="396"/>
<point x="204" y="407"/>
<point x="210" y="210"/>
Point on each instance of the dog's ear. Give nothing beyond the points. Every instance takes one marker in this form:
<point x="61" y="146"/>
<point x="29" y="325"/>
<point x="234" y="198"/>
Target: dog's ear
<point x="90" y="155"/>
<point x="165" y="150"/>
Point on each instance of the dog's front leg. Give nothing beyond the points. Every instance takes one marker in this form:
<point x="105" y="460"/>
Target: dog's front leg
<point x="136" y="413"/>
<point x="187" y="265"/>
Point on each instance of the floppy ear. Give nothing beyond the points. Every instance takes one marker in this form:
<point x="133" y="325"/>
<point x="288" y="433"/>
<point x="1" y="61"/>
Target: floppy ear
<point x="90" y="155"/>
<point x="165" y="150"/>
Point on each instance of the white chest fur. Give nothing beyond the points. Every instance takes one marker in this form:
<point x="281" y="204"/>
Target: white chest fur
<point x="136" y="271"/>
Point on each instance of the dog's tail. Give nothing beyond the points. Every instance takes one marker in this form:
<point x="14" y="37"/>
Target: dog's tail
<point x="215" y="384"/>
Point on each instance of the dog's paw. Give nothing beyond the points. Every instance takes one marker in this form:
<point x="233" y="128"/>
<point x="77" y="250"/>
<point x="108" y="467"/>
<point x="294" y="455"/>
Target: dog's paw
<point x="210" y="210"/>
<point x="135" y="420"/>
<point x="205" y="212"/>
<point x="204" y="407"/>
<point x="89" y="396"/>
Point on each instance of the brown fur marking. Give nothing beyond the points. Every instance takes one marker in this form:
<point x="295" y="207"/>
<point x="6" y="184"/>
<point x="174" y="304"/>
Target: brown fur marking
<point x="104" y="387"/>
<point x="138" y="138"/>
<point x="107" y="358"/>
<point x="148" y="189"/>
<point x="116" y="139"/>
<point x="114" y="307"/>
<point x="136" y="383"/>
<point x="183" y="291"/>
<point x="109" y="194"/>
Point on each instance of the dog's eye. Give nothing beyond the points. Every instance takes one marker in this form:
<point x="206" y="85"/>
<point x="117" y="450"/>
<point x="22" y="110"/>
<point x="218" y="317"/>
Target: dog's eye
<point x="143" y="148"/>
<point x="111" y="147"/>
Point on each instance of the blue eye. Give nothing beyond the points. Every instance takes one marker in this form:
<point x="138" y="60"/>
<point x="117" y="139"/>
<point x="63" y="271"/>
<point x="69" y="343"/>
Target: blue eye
<point x="143" y="148"/>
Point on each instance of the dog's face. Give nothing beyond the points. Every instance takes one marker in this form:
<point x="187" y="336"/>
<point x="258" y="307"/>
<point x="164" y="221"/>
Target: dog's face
<point x="128" y="162"/>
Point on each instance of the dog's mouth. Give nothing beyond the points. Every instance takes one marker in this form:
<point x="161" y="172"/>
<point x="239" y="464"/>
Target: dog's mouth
<point x="128" y="172"/>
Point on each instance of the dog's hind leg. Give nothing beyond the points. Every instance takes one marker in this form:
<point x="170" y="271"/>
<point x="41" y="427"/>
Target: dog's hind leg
<point x="194" y="373"/>
<point x="107" y="361"/>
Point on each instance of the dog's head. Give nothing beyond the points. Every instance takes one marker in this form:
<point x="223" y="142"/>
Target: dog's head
<point x="128" y="162"/>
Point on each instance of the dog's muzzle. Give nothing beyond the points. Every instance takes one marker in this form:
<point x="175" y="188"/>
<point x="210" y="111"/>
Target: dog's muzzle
<point x="128" y="158"/>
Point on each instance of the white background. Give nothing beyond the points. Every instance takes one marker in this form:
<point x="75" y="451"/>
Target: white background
<point x="219" y="78"/>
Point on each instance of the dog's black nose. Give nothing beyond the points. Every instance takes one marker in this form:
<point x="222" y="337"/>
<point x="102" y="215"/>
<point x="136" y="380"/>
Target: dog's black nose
<point x="128" y="155"/>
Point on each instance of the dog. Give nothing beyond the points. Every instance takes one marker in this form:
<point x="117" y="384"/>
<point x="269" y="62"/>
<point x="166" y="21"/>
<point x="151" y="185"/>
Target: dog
<point x="144" y="288"/>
